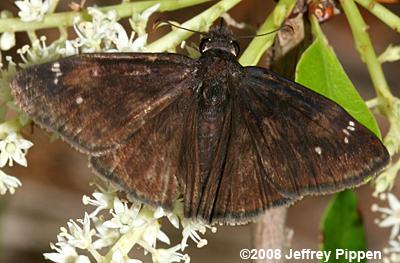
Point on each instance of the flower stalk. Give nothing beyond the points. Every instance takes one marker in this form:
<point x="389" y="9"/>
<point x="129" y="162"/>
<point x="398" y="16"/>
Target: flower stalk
<point x="125" y="243"/>
<point x="201" y="23"/>
<point x="66" y="19"/>
<point x="381" y="12"/>
<point x="366" y="50"/>
<point x="259" y="45"/>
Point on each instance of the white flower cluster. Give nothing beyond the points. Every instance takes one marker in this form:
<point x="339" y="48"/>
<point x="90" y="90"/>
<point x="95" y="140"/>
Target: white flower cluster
<point x="13" y="148"/>
<point x="105" y="34"/>
<point x="115" y="226"/>
<point x="102" y="34"/>
<point x="39" y="52"/>
<point x="392" y="253"/>
<point x="32" y="10"/>
<point x="390" y="217"/>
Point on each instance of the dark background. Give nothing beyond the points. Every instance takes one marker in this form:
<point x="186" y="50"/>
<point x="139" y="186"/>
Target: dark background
<point x="57" y="176"/>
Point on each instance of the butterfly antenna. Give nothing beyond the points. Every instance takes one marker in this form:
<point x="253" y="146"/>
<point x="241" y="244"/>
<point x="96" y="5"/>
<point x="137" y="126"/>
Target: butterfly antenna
<point x="162" y="22"/>
<point x="268" y="33"/>
<point x="221" y="23"/>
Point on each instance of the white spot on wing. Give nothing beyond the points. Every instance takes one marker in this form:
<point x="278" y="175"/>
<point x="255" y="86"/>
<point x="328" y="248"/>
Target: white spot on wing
<point x="346" y="132"/>
<point x="79" y="100"/>
<point x="318" y="150"/>
<point x="346" y="140"/>
<point x="55" y="67"/>
<point x="351" y="128"/>
<point x="57" y="71"/>
<point x="351" y="123"/>
<point x="95" y="72"/>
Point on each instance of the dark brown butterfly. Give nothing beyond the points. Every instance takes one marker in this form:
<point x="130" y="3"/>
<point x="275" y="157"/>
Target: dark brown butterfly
<point x="233" y="141"/>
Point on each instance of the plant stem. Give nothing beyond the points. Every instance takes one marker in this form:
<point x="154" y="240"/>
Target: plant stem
<point x="259" y="45"/>
<point x="125" y="242"/>
<point x="372" y="103"/>
<point x="382" y="13"/>
<point x="95" y="254"/>
<point x="201" y="23"/>
<point x="366" y="50"/>
<point x="53" y="6"/>
<point x="66" y="19"/>
<point x="387" y="103"/>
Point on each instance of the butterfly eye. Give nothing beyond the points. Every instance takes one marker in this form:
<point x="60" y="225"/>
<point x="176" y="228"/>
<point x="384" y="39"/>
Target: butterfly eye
<point x="203" y="44"/>
<point x="235" y="46"/>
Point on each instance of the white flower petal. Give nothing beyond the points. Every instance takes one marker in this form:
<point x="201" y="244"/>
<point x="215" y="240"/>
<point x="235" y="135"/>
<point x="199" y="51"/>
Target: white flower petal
<point x="169" y="255"/>
<point x="8" y="183"/>
<point x="22" y="6"/>
<point x="118" y="206"/>
<point x="13" y="148"/>
<point x="159" y="212"/>
<point x="149" y="11"/>
<point x="395" y="231"/>
<point x="118" y="257"/>
<point x="23" y="144"/>
<point x="63" y="254"/>
<point x="7" y="41"/>
<point x="113" y="223"/>
<point x="394" y="203"/>
<point x="3" y="158"/>
<point x="32" y="10"/>
<point x="163" y="237"/>
<point x="389" y="221"/>
<point x="82" y="259"/>
<point x="139" y="43"/>
<point x="174" y="220"/>
<point x="19" y="157"/>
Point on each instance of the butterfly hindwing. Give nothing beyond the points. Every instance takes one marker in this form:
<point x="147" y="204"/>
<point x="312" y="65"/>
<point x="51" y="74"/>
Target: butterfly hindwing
<point x="306" y="143"/>
<point x="243" y="190"/>
<point x="97" y="101"/>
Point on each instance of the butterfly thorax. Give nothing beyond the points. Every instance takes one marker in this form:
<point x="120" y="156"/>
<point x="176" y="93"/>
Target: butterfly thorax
<point x="218" y="73"/>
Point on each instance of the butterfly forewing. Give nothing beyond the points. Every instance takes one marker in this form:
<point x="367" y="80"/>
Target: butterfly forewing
<point x="306" y="144"/>
<point x="147" y="166"/>
<point x="97" y="101"/>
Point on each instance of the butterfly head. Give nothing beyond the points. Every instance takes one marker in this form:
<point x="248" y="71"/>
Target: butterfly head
<point x="220" y="38"/>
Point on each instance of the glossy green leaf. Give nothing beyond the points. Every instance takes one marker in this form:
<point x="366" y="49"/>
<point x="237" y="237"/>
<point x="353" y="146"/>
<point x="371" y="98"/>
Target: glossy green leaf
<point x="320" y="70"/>
<point x="342" y="227"/>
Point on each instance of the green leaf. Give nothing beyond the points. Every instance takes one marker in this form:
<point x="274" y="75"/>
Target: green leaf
<point x="320" y="70"/>
<point x="342" y="226"/>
